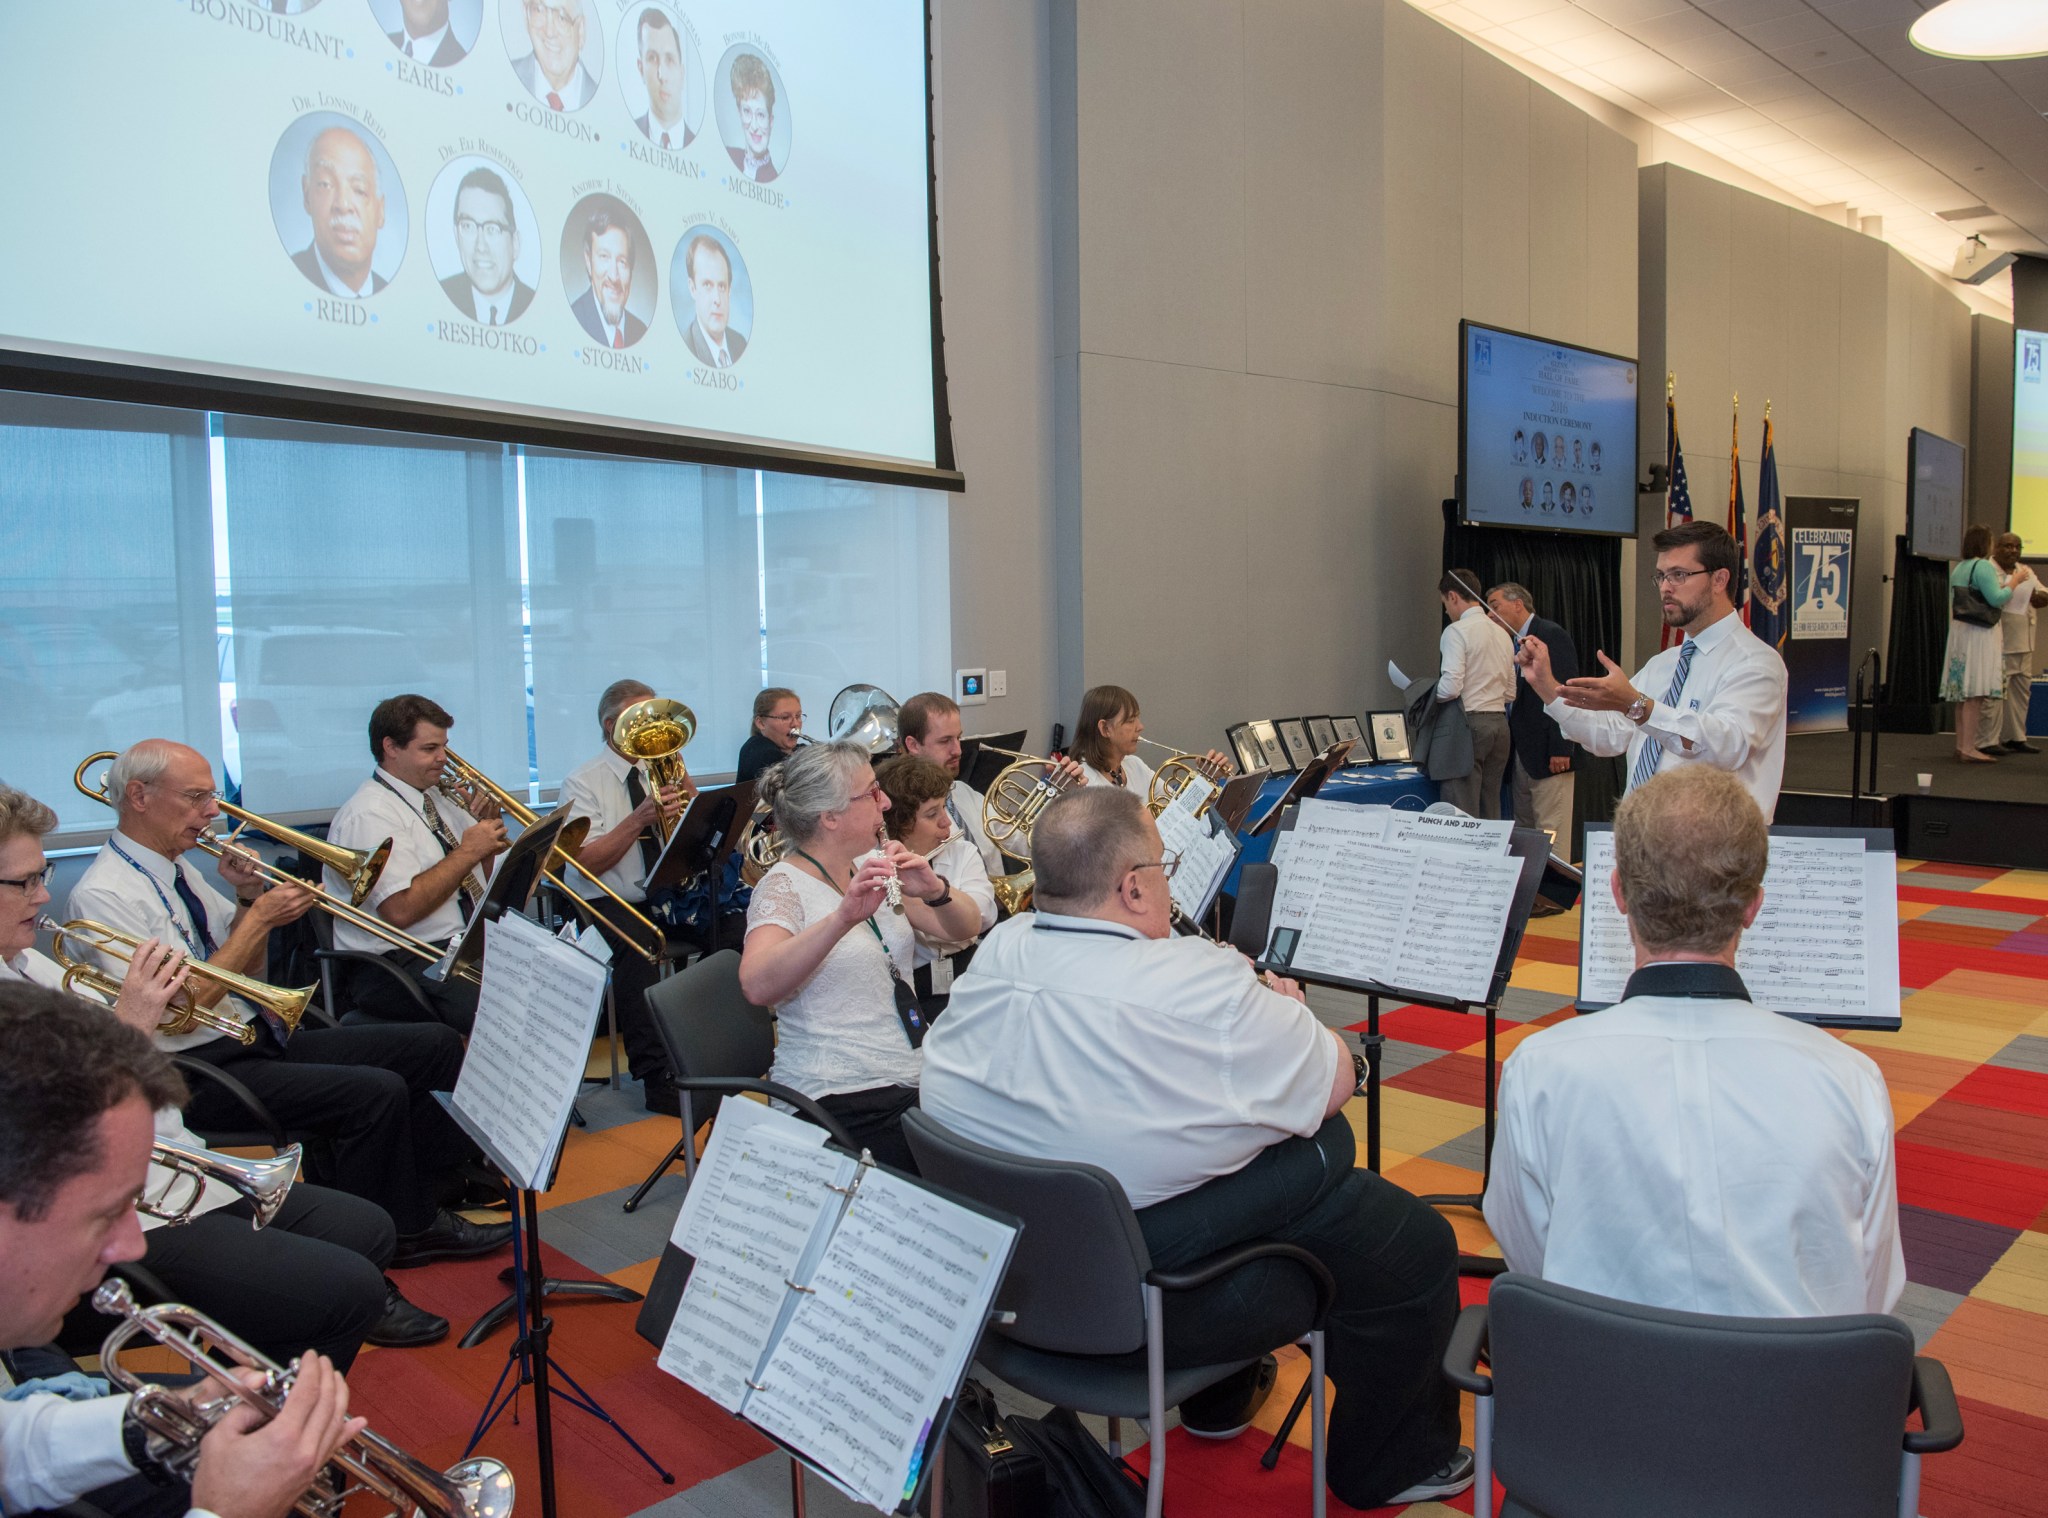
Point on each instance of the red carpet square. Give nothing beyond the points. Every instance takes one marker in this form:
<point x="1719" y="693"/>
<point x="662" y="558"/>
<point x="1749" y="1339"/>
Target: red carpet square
<point x="1996" y="1191"/>
<point x="2011" y="1090"/>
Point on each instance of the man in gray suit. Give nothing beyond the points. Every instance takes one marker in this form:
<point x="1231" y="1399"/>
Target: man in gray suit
<point x="344" y="199"/>
<point x="709" y="334"/>
<point x="425" y="36"/>
<point x="487" y="236"/>
<point x="554" y="70"/>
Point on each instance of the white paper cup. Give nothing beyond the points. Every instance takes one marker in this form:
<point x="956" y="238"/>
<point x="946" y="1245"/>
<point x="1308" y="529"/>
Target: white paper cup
<point x="1926" y="779"/>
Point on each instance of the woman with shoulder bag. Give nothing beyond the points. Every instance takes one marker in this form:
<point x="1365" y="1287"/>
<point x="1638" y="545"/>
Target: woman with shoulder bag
<point x="1974" y="668"/>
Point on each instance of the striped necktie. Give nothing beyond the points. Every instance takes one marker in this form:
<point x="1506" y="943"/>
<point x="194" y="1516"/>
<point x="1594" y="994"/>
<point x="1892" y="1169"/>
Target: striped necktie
<point x="1653" y="752"/>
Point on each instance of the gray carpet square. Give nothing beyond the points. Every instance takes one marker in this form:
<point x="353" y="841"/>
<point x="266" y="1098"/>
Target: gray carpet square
<point x="1981" y="917"/>
<point x="1467" y="1150"/>
<point x="597" y="1235"/>
<point x="2027" y="1052"/>
<point x="1522" y="1005"/>
<point x="1925" y="1309"/>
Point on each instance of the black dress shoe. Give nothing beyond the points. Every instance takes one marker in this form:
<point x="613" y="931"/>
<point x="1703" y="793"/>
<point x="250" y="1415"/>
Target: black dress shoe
<point x="659" y="1094"/>
<point x="404" y="1324"/>
<point x="2020" y="747"/>
<point x="1543" y="906"/>
<point x="451" y="1237"/>
<point x="1225" y="1410"/>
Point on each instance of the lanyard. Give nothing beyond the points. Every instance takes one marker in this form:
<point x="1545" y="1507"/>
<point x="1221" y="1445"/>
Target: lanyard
<point x="826" y="875"/>
<point x="420" y="815"/>
<point x="177" y="917"/>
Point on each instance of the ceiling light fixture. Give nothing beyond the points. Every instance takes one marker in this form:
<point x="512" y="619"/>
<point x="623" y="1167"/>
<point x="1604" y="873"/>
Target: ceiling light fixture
<point x="1983" y="29"/>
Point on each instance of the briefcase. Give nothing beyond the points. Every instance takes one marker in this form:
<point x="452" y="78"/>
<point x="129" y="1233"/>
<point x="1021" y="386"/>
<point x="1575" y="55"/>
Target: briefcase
<point x="988" y="1474"/>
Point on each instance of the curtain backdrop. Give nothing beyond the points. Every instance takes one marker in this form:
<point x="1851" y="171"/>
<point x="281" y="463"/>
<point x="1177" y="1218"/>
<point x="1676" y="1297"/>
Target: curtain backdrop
<point x="1576" y="580"/>
<point x="1919" y="639"/>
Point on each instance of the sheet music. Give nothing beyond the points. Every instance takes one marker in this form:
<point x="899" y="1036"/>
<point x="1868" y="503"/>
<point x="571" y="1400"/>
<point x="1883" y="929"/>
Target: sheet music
<point x="1206" y="850"/>
<point x="761" y="1198"/>
<point x="1825" y="944"/>
<point x="1322" y="830"/>
<point x="1453" y="831"/>
<point x="1454" y="928"/>
<point x="896" y="1307"/>
<point x="1359" y="913"/>
<point x="534" y="1020"/>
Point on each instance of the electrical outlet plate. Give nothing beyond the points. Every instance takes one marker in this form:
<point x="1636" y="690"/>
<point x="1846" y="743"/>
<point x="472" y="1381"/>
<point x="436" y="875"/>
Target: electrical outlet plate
<point x="999" y="682"/>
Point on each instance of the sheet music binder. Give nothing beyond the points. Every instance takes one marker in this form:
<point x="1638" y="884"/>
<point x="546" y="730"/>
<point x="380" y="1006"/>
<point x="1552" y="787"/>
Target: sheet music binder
<point x="703" y="835"/>
<point x="834" y="1218"/>
<point x="1878" y="843"/>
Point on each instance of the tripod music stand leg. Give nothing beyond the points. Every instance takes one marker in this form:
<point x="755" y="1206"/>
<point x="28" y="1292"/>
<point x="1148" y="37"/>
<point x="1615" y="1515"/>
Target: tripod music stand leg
<point x="640" y="1194"/>
<point x="1271" y="1457"/>
<point x="796" y="1488"/>
<point x="1373" y="1043"/>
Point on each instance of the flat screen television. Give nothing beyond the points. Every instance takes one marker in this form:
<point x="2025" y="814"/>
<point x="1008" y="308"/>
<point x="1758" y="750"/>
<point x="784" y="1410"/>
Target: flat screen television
<point x="1934" y="495"/>
<point x="1546" y="433"/>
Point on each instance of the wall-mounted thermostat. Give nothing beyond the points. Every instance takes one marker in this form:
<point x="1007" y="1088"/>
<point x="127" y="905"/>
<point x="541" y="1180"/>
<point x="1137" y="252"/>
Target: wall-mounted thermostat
<point x="970" y="686"/>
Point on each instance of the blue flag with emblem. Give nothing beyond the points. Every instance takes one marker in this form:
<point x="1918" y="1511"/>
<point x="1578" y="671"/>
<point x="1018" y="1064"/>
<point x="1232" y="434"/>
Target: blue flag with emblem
<point x="1769" y="617"/>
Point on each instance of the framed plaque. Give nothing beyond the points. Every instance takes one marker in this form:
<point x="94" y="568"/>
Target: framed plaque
<point x="1389" y="736"/>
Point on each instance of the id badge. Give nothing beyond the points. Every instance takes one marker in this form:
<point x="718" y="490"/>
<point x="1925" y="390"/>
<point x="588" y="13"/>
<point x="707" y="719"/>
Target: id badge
<point x="942" y="975"/>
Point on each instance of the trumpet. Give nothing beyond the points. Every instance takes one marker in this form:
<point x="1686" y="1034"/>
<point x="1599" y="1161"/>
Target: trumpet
<point x="461" y="776"/>
<point x="1179" y="772"/>
<point x="655" y="732"/>
<point x="73" y="940"/>
<point x="175" y="1421"/>
<point x="263" y="1183"/>
<point x="351" y="865"/>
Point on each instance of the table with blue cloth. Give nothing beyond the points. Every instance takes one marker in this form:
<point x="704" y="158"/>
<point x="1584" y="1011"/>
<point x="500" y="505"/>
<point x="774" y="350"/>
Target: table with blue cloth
<point x="1402" y="785"/>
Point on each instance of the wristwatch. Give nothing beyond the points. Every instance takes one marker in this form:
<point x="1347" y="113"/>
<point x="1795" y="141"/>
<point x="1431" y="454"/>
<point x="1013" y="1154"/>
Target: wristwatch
<point x="1639" y="709"/>
<point x="1358" y="1069"/>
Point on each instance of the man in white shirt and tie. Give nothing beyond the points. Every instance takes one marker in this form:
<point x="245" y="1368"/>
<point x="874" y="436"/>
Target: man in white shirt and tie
<point x="710" y="336"/>
<point x="1683" y="1148"/>
<point x="622" y="847"/>
<point x="1717" y="698"/>
<point x="554" y="71"/>
<point x="435" y="877"/>
<point x="1478" y="672"/>
<point x="488" y="289"/>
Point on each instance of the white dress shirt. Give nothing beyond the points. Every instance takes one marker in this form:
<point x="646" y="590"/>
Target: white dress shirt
<point x="38" y="969"/>
<point x="53" y="1450"/>
<point x="2016" y="618"/>
<point x="422" y="49"/>
<point x="1699" y="1154"/>
<point x="1137" y="776"/>
<point x="597" y="790"/>
<point x="961" y="868"/>
<point x="493" y="310"/>
<point x="1478" y="663"/>
<point x="1163" y="1060"/>
<point x="396" y="811"/>
<point x="838" y="1032"/>
<point x="129" y="886"/>
<point x="964" y="805"/>
<point x="1732" y="710"/>
<point x="335" y="284"/>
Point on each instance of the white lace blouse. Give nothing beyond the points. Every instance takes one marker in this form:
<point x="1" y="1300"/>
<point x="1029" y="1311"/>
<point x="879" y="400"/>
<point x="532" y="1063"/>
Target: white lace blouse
<point x="839" y="1032"/>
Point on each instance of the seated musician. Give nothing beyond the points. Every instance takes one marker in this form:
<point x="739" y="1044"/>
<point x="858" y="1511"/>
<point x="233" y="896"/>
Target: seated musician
<point x="1106" y="736"/>
<point x="612" y="791"/>
<point x="366" y="1091"/>
<point x="828" y="952"/>
<point x="1684" y="1148"/>
<point x="778" y="723"/>
<point x="920" y="819"/>
<point x="1086" y="1031"/>
<point x="928" y="725"/>
<point x="441" y="852"/>
<point x="77" y="1098"/>
<point x="313" y="1275"/>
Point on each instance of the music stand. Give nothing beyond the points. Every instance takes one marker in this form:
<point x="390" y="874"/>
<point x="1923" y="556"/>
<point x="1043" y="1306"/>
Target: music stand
<point x="702" y="841"/>
<point x="513" y="881"/>
<point x="982" y="759"/>
<point x="1240" y="793"/>
<point x="1307" y="781"/>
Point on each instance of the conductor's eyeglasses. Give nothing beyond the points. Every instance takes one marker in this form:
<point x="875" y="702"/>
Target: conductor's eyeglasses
<point x="1664" y="577"/>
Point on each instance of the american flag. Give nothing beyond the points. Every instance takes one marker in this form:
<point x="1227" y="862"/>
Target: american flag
<point x="1677" y="500"/>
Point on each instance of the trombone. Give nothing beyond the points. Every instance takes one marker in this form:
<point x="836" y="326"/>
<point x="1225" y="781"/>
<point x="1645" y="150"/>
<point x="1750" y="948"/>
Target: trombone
<point x="263" y="1183"/>
<point x="1180" y="771"/>
<point x="360" y="869"/>
<point x="81" y="936"/>
<point x="460" y="775"/>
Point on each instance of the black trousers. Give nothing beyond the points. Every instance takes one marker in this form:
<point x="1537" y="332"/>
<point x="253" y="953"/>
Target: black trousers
<point x="1394" y="1419"/>
<point x="313" y="1279"/>
<point x="366" y="1091"/>
<point x="374" y="993"/>
<point x="632" y="977"/>
<point x="873" y="1119"/>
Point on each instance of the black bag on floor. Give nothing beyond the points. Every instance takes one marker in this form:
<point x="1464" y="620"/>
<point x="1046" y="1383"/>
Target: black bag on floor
<point x="1081" y="1479"/>
<point x="988" y="1474"/>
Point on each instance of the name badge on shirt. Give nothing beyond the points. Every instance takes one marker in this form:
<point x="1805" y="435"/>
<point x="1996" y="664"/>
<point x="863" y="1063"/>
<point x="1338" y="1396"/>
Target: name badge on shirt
<point x="942" y="975"/>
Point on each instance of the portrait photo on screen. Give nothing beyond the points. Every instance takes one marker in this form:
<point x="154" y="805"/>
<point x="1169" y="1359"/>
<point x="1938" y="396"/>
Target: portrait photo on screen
<point x="711" y="296"/>
<point x="608" y="271"/>
<point x="556" y="48"/>
<point x="661" y="74"/>
<point x="753" y="113"/>
<point x="483" y="240"/>
<point x="438" y="33"/>
<point x="338" y="205"/>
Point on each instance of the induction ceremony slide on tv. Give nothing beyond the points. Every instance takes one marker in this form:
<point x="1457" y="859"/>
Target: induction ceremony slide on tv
<point x="670" y="217"/>
<point x="2030" y="438"/>
<point x="1549" y="434"/>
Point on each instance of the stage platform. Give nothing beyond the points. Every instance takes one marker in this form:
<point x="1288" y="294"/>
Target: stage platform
<point x="1982" y="814"/>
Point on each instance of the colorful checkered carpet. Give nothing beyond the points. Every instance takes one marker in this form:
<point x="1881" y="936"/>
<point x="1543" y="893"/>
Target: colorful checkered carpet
<point x="1969" y="1083"/>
